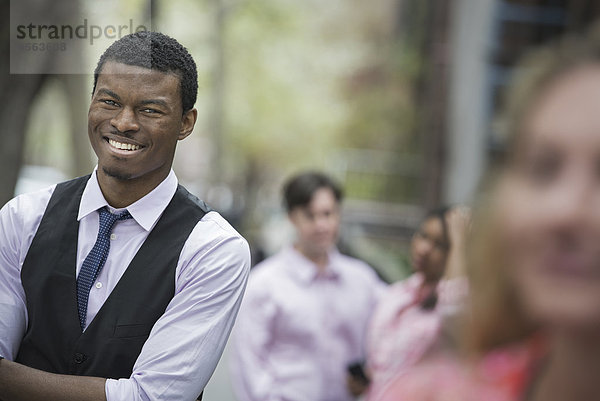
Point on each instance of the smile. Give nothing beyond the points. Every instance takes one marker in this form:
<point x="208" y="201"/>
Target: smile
<point x="123" y="146"/>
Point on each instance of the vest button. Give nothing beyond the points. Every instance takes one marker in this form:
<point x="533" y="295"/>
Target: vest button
<point x="79" y="358"/>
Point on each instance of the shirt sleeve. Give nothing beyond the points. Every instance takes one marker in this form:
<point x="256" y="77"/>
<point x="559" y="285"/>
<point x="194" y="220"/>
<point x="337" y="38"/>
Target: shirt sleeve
<point x="253" y="377"/>
<point x="19" y="220"/>
<point x="186" y="343"/>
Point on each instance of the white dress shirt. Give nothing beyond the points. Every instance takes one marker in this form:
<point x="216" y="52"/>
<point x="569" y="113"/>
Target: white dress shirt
<point x="186" y="342"/>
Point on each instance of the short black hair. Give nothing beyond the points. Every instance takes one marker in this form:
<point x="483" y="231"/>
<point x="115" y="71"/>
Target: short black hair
<point x="299" y="189"/>
<point x="156" y="51"/>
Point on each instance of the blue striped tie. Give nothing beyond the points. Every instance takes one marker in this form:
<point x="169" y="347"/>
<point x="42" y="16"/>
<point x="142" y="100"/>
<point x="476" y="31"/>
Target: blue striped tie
<point x="95" y="260"/>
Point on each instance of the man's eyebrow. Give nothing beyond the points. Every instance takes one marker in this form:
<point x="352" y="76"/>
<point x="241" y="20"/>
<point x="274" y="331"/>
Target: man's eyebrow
<point x="159" y="102"/>
<point x="109" y="93"/>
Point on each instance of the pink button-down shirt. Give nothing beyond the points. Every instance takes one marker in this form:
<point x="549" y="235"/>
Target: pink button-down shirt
<point x="298" y="330"/>
<point x="401" y="331"/>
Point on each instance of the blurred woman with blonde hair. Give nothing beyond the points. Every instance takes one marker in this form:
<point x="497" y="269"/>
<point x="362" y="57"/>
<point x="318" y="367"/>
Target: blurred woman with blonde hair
<point x="533" y="327"/>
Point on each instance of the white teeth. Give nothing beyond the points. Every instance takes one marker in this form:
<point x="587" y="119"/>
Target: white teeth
<point x="123" y="146"/>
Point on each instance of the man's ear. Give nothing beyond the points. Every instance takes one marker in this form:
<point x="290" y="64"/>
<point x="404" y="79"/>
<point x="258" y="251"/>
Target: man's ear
<point x="293" y="216"/>
<point x="188" y="120"/>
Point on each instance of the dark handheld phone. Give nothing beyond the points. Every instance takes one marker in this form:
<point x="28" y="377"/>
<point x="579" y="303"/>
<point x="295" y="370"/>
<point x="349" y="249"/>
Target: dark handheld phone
<point x="357" y="371"/>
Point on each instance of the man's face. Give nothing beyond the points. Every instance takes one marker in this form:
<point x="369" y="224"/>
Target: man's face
<point x="134" y="122"/>
<point x="317" y="223"/>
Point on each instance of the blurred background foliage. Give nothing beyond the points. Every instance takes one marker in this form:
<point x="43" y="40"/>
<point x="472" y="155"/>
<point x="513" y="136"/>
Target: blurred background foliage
<point x="393" y="98"/>
<point x="284" y="86"/>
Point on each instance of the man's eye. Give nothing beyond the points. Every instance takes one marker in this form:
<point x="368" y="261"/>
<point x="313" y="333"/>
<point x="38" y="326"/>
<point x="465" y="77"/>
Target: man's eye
<point x="150" y="111"/>
<point x="308" y="215"/>
<point x="109" y="102"/>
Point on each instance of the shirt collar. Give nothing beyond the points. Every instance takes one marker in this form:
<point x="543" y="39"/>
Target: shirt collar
<point x="304" y="270"/>
<point x="145" y="211"/>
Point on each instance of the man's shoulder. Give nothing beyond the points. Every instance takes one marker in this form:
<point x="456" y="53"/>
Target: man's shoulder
<point x="361" y="274"/>
<point x="216" y="224"/>
<point x="20" y="217"/>
<point x="213" y="233"/>
<point x="272" y="269"/>
<point x="270" y="279"/>
<point x="215" y="247"/>
<point x="30" y="202"/>
<point x="192" y="199"/>
<point x="350" y="259"/>
<point x="271" y="264"/>
<point x="354" y="264"/>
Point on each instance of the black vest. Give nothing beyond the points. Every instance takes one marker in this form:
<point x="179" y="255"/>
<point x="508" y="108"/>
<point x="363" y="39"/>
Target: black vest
<point x="112" y="342"/>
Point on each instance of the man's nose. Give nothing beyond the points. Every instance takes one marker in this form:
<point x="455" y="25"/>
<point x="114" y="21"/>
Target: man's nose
<point x="125" y="121"/>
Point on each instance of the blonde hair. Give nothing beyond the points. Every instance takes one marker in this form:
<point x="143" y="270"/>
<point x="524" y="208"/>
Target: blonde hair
<point x="495" y="315"/>
<point x="535" y="74"/>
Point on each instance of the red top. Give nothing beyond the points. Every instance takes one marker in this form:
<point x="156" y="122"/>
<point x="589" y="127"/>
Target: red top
<point x="502" y="375"/>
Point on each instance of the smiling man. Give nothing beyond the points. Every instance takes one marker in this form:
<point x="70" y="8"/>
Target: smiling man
<point x="120" y="285"/>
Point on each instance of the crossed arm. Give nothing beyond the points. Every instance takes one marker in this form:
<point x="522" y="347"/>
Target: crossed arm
<point x="22" y="383"/>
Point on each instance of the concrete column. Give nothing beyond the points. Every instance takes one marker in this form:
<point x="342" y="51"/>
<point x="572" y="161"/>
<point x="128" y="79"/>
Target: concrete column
<point x="468" y="101"/>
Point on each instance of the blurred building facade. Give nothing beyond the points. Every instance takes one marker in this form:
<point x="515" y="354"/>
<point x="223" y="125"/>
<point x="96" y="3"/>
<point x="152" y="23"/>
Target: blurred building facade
<point x="488" y="39"/>
<point x="470" y="49"/>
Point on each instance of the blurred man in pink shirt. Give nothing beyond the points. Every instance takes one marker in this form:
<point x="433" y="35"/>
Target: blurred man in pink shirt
<point x="306" y="309"/>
